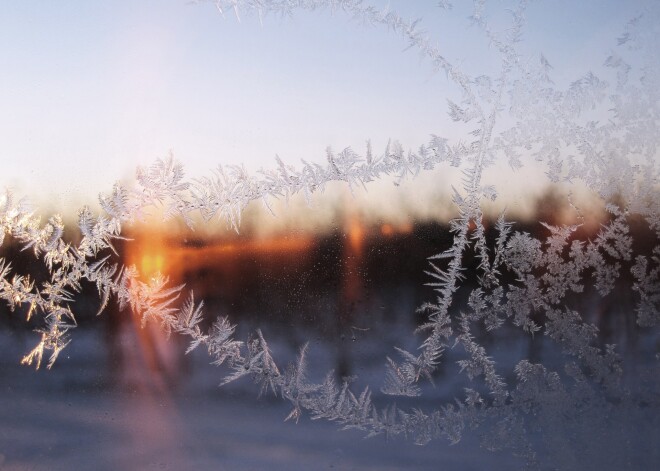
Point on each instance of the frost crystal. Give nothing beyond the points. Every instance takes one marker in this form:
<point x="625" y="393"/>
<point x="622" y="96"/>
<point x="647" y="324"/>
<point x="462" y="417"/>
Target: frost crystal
<point x="531" y="279"/>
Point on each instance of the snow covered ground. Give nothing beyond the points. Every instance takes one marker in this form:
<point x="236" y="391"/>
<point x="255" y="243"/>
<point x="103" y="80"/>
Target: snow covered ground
<point x="103" y="407"/>
<point x="85" y="430"/>
<point x="78" y="417"/>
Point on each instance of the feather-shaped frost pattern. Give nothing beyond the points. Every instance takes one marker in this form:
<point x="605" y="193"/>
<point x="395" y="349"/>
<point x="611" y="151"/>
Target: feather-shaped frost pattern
<point x="596" y="135"/>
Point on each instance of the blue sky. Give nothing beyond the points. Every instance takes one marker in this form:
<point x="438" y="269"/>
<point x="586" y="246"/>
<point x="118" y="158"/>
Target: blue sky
<point x="90" y="89"/>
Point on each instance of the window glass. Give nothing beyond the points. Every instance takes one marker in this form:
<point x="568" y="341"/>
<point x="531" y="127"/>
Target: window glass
<point x="249" y="235"/>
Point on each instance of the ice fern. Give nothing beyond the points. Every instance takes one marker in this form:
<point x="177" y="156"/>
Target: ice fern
<point x="524" y="279"/>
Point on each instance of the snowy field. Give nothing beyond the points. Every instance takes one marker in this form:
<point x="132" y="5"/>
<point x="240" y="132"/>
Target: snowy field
<point x="77" y="417"/>
<point x="104" y="406"/>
